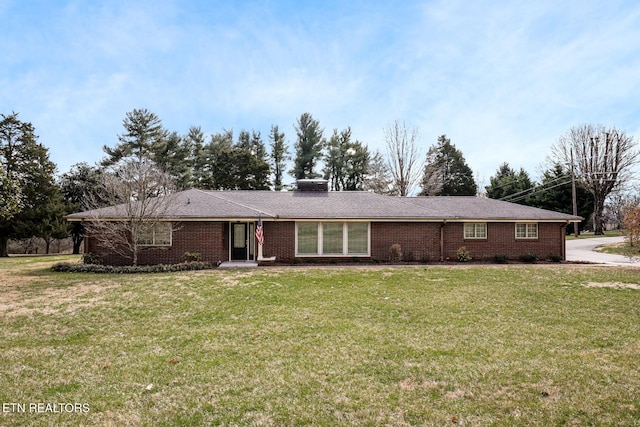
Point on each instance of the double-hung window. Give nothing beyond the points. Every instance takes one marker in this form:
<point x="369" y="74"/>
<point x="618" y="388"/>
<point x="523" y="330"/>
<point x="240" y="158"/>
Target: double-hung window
<point x="475" y="230"/>
<point x="526" y="230"/>
<point x="332" y="238"/>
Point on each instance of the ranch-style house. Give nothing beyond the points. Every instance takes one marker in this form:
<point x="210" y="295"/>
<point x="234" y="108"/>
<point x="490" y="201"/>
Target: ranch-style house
<point x="313" y="223"/>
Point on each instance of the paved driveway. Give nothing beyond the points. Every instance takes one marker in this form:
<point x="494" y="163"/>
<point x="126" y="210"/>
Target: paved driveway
<point x="583" y="250"/>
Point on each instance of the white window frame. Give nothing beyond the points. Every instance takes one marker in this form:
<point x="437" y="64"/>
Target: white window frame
<point x="345" y="240"/>
<point x="154" y="231"/>
<point x="530" y="230"/>
<point x="475" y="233"/>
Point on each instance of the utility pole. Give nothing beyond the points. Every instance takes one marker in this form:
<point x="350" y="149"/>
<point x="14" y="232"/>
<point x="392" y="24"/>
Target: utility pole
<point x="573" y="196"/>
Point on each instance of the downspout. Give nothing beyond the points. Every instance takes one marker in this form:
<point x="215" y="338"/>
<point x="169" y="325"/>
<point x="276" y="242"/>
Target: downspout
<point x="442" y="240"/>
<point x="85" y="241"/>
<point x="563" y="239"/>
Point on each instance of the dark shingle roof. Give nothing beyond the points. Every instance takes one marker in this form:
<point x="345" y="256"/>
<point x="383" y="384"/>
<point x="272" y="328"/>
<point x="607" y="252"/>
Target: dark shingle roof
<point x="469" y="207"/>
<point x="200" y="204"/>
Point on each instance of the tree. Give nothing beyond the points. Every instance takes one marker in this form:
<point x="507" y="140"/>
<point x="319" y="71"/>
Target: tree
<point x="141" y="194"/>
<point x="174" y="157"/>
<point x="279" y="155"/>
<point x="27" y="164"/>
<point x="554" y="193"/>
<point x="378" y="178"/>
<point x="198" y="158"/>
<point x="10" y="194"/>
<point x="602" y="159"/>
<point x="144" y="137"/>
<point x="51" y="224"/>
<point x="507" y="184"/>
<point x="402" y="157"/>
<point x="618" y="202"/>
<point x="632" y="224"/>
<point x="346" y="162"/>
<point x="80" y="184"/>
<point x="446" y="172"/>
<point x="308" y="147"/>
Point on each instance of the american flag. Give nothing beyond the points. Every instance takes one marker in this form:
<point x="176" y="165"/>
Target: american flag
<point x="259" y="233"/>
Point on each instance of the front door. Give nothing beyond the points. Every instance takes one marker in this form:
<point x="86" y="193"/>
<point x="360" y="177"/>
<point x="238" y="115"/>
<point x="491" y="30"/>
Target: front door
<point x="239" y="242"/>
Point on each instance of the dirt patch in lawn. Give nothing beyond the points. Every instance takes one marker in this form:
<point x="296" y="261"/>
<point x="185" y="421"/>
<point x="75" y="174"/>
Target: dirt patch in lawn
<point x="615" y="285"/>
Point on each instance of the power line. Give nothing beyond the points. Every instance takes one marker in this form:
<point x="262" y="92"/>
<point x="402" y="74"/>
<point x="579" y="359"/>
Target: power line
<point x="508" y="196"/>
<point x="537" y="191"/>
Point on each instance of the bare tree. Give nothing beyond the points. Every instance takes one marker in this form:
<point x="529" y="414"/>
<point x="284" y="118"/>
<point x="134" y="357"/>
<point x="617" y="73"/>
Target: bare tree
<point x="403" y="157"/>
<point x="602" y="159"/>
<point x="140" y="195"/>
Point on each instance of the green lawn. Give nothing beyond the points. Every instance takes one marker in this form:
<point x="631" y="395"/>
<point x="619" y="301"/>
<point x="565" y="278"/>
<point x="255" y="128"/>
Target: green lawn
<point x="590" y="235"/>
<point x="526" y="345"/>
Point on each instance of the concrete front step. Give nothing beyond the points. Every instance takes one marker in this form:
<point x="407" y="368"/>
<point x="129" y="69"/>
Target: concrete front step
<point x="238" y="264"/>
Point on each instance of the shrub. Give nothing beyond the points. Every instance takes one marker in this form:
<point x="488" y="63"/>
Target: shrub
<point x="90" y="258"/>
<point x="463" y="254"/>
<point x="408" y="257"/>
<point x="500" y="258"/>
<point x="530" y="258"/>
<point x="192" y="257"/>
<point x="555" y="258"/>
<point x="66" y="267"/>
<point x="395" y="252"/>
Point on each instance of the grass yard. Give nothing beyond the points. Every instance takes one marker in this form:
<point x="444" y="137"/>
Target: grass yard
<point x="622" y="248"/>
<point x="464" y="345"/>
<point x="590" y="235"/>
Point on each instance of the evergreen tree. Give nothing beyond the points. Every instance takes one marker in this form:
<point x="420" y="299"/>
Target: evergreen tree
<point x="144" y="137"/>
<point x="279" y="155"/>
<point x="346" y="162"/>
<point x="198" y="158"/>
<point x="174" y="157"/>
<point x="308" y="147"/>
<point x="23" y="158"/>
<point x="378" y="178"/>
<point x="10" y="193"/>
<point x="81" y="184"/>
<point x="446" y="172"/>
<point x="507" y="184"/>
<point x="554" y="193"/>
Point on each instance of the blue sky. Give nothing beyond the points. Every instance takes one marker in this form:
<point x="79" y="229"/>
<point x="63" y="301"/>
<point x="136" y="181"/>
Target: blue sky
<point x="502" y="79"/>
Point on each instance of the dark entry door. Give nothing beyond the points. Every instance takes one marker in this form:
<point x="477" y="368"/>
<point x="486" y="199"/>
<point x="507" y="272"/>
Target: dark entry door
<point x="239" y="242"/>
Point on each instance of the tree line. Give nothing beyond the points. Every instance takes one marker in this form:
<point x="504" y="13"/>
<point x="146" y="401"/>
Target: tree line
<point x="33" y="201"/>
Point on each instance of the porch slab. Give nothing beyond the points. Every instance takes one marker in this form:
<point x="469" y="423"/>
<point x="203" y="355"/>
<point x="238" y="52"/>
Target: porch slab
<point x="238" y="264"/>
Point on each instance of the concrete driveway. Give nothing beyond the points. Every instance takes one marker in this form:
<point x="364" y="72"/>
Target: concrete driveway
<point x="583" y="250"/>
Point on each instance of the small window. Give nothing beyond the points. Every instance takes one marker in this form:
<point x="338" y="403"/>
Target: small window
<point x="527" y="231"/>
<point x="475" y="230"/>
<point x="158" y="234"/>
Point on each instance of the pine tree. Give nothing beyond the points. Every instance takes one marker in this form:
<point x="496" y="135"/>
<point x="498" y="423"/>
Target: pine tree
<point x="279" y="155"/>
<point x="446" y="172"/>
<point x="308" y="147"/>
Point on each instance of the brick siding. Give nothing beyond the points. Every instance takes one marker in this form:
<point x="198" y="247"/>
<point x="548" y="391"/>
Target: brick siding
<point x="210" y="239"/>
<point x="418" y="241"/>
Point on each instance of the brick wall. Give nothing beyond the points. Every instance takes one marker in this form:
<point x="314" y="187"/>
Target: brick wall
<point x="279" y="240"/>
<point x="501" y="240"/>
<point x="210" y="239"/>
<point x="419" y="242"/>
